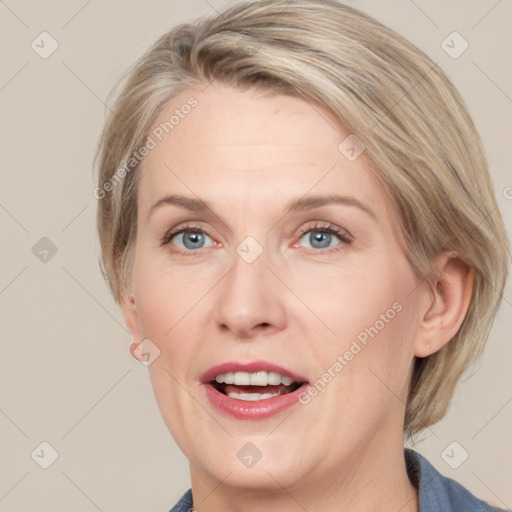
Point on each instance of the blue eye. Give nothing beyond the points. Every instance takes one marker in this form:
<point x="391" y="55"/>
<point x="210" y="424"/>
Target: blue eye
<point x="319" y="239"/>
<point x="323" y="237"/>
<point x="190" y="240"/>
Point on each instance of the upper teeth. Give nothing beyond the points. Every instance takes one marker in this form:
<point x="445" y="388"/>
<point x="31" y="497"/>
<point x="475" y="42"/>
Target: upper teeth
<point x="254" y="379"/>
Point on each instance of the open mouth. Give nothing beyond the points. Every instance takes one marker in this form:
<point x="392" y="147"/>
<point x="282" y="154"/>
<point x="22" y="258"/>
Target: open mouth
<point x="255" y="390"/>
<point x="251" y="387"/>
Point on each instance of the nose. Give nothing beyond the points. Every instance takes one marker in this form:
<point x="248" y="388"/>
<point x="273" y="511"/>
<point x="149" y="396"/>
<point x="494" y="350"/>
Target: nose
<point x="250" y="301"/>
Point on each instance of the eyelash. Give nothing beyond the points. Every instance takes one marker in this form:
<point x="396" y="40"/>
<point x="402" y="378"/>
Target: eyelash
<point x="189" y="228"/>
<point x="330" y="229"/>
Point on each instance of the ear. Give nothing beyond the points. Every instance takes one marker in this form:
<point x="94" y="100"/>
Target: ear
<point x="447" y="301"/>
<point x="131" y="318"/>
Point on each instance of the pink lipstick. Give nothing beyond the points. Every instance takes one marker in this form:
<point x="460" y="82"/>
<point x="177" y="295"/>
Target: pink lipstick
<point x="252" y="391"/>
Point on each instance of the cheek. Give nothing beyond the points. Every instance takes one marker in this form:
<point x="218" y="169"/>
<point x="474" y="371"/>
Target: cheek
<point x="168" y="307"/>
<point x="352" y="298"/>
<point x="370" y="316"/>
<point x="165" y="297"/>
<point x="174" y="313"/>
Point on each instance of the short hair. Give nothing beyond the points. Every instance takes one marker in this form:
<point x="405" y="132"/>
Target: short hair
<point x="419" y="138"/>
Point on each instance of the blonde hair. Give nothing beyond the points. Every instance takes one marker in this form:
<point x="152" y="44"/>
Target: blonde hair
<point x="417" y="131"/>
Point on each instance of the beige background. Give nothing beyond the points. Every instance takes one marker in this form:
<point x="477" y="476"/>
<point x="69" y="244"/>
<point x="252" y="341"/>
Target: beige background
<point x="66" y="376"/>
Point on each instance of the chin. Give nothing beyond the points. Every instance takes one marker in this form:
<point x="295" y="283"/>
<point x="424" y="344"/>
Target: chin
<point x="248" y="462"/>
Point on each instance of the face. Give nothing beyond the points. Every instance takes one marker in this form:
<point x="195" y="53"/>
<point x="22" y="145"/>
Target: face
<point x="269" y="261"/>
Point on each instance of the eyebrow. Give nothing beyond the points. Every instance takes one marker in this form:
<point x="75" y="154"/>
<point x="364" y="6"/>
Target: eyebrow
<point x="310" y="202"/>
<point x="303" y="203"/>
<point x="188" y="203"/>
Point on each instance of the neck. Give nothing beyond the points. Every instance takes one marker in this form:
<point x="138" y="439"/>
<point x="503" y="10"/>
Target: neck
<point x="372" y="479"/>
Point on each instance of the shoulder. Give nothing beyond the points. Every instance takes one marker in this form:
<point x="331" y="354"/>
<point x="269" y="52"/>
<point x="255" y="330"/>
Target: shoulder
<point x="437" y="492"/>
<point x="185" y="503"/>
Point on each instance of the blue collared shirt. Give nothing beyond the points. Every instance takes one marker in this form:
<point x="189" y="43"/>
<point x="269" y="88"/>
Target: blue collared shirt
<point x="437" y="493"/>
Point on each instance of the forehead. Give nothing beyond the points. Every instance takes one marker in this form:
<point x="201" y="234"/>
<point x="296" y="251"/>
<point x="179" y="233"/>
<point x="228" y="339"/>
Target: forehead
<point x="257" y="146"/>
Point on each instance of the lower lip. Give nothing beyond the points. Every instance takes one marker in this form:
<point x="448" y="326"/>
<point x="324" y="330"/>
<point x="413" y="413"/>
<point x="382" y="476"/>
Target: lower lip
<point x="245" y="410"/>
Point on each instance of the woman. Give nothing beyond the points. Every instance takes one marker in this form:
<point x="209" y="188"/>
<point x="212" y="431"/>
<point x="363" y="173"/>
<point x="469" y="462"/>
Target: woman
<point x="297" y="220"/>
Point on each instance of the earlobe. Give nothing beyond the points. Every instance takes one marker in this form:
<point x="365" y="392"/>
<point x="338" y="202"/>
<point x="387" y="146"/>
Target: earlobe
<point x="449" y="295"/>
<point x="130" y="314"/>
<point x="129" y="308"/>
<point x="133" y="347"/>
